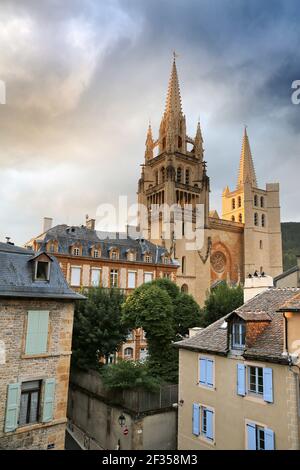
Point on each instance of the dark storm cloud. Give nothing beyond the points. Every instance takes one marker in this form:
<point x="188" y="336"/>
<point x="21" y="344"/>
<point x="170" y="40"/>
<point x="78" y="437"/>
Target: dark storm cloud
<point x="84" y="77"/>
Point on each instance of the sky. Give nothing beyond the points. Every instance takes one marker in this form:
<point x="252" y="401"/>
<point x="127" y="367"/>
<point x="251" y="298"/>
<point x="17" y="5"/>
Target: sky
<point x="83" y="78"/>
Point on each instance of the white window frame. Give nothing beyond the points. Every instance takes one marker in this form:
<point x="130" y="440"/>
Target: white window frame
<point x="256" y="392"/>
<point x="98" y="270"/>
<point x="148" y="274"/>
<point x="135" y="279"/>
<point x="202" y="435"/>
<point x="76" y="251"/>
<point x="114" y="274"/>
<point x="238" y="345"/>
<point x="80" y="272"/>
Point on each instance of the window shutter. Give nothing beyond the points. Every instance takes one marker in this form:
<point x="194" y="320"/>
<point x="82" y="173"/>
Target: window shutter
<point x="196" y="419"/>
<point x="12" y="407"/>
<point x="268" y="384"/>
<point x="37" y="332"/>
<point x="209" y="424"/>
<point x="269" y="439"/>
<point x="203" y="377"/>
<point x="251" y="436"/>
<point x="210" y="373"/>
<point x="241" y="380"/>
<point x="49" y="393"/>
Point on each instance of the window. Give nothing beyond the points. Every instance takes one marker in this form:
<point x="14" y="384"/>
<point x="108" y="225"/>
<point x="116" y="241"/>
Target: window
<point x="75" y="276"/>
<point x="233" y="218"/>
<point x="130" y="336"/>
<point x="96" y="253"/>
<point x="29" y="403"/>
<point x="185" y="288"/>
<point x="37" y="332"/>
<point x="162" y="172"/>
<point x="131" y="256"/>
<point x="259" y="437"/>
<point x="131" y="282"/>
<point x="42" y="271"/>
<point x="167" y="275"/>
<point x="233" y="204"/>
<point x="179" y="142"/>
<point x="114" y="255"/>
<point x="238" y="335"/>
<point x="148" y="277"/>
<point x="128" y="353"/>
<point x="76" y="251"/>
<point x="187" y="176"/>
<point x="256" y="219"/>
<point x="206" y="372"/>
<point x="179" y="175"/>
<point x="95" y="277"/>
<point x="156" y="177"/>
<point x="203" y="421"/>
<point x="259" y="381"/>
<point x="263" y="220"/>
<point x="262" y="202"/>
<point x="166" y="259"/>
<point x="240" y="218"/>
<point x="148" y="258"/>
<point x="183" y="265"/>
<point x="239" y="201"/>
<point x="255" y="381"/>
<point x="143" y="354"/>
<point x="255" y="200"/>
<point x="261" y="244"/>
<point x="52" y="247"/>
<point x="114" y="277"/>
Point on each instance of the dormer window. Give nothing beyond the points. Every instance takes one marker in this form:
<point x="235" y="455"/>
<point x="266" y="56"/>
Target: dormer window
<point x="96" y="254"/>
<point x="131" y="256"/>
<point x="238" y="335"/>
<point x="148" y="258"/>
<point x="114" y="255"/>
<point x="76" y="251"/>
<point x="42" y="270"/>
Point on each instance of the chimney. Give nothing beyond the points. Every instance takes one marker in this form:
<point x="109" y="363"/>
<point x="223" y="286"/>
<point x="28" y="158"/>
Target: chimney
<point x="194" y="331"/>
<point x="47" y="224"/>
<point x="90" y="223"/>
<point x="255" y="285"/>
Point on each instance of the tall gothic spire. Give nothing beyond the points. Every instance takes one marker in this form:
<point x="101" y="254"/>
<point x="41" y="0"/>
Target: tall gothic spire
<point x="198" y="142"/>
<point x="246" y="170"/>
<point x="173" y="102"/>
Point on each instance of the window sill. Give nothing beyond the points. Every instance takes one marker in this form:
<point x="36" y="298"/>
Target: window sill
<point x="205" y="440"/>
<point x="255" y="399"/>
<point x="45" y="355"/>
<point x="34" y="426"/>
<point x="206" y="387"/>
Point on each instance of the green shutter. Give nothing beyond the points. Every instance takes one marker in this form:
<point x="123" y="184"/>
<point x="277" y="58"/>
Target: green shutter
<point x="12" y="407"/>
<point x="48" y="405"/>
<point x="37" y="332"/>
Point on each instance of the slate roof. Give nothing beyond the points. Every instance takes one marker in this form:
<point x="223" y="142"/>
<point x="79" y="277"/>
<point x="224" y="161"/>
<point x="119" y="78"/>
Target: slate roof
<point x="16" y="276"/>
<point x="286" y="273"/>
<point x="268" y="345"/>
<point x="67" y="236"/>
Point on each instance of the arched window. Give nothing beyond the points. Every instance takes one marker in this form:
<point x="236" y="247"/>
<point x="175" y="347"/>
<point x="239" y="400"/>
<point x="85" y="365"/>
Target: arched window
<point x="185" y="288"/>
<point x="240" y="218"/>
<point x="262" y="202"/>
<point x="187" y="176"/>
<point x="261" y="244"/>
<point x="255" y="200"/>
<point x="233" y="203"/>
<point x="162" y="171"/>
<point x="179" y="175"/>
<point x="263" y="220"/>
<point x="76" y="251"/>
<point x="128" y="353"/>
<point x="256" y="219"/>
<point x="239" y="201"/>
<point x="233" y="218"/>
<point x="183" y="265"/>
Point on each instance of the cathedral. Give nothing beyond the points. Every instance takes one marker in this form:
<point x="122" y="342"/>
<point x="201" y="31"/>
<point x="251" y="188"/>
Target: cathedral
<point x="244" y="239"/>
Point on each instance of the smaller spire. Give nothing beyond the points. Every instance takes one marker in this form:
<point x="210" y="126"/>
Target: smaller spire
<point x="199" y="142"/>
<point x="246" y="170"/>
<point x="149" y="143"/>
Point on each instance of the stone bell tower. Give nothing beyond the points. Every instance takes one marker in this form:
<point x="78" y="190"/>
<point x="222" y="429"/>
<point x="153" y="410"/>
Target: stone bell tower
<point x="174" y="173"/>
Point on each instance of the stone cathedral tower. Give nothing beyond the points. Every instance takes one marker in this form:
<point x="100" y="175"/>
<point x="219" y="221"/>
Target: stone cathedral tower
<point x="177" y="175"/>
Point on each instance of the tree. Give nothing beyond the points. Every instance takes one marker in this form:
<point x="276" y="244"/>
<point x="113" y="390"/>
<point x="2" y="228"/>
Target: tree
<point x="98" y="330"/>
<point x="165" y="314"/>
<point x="129" y="375"/>
<point x="221" y="301"/>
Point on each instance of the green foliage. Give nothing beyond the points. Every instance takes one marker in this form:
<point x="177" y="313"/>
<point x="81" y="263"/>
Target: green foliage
<point x="290" y="243"/>
<point x="98" y="330"/>
<point x="129" y="375"/>
<point x="221" y="301"/>
<point x="165" y="314"/>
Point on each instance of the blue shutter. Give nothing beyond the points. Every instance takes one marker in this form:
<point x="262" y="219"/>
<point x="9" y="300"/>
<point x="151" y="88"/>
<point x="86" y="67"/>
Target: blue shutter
<point x="269" y="439"/>
<point x="241" y="380"/>
<point x="209" y="424"/>
<point x="203" y="377"/>
<point x="196" y="419"/>
<point x="48" y="405"/>
<point x="268" y="384"/>
<point x="37" y="332"/>
<point x="210" y="373"/>
<point x="251" y="436"/>
<point x="12" y="407"/>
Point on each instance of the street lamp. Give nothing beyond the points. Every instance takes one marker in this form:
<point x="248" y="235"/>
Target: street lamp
<point x="122" y="420"/>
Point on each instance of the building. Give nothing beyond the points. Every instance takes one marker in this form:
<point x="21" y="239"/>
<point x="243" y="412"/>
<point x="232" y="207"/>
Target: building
<point x="239" y="378"/>
<point x="88" y="257"/>
<point x="290" y="278"/>
<point x="248" y="235"/>
<point x="36" y="320"/>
